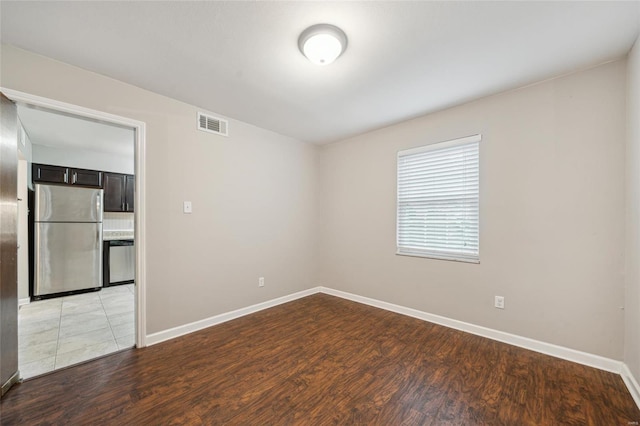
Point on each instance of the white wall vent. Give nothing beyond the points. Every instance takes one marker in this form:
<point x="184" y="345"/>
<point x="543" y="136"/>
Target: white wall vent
<point x="208" y="123"/>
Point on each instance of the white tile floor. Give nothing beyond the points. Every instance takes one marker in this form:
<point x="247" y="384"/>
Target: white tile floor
<point x="55" y="333"/>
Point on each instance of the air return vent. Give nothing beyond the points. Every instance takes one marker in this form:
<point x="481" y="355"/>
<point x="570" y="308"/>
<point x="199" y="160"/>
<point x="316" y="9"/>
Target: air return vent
<point x="208" y="123"/>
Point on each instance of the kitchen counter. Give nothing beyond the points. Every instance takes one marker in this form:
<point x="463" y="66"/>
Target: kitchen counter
<point x="117" y="235"/>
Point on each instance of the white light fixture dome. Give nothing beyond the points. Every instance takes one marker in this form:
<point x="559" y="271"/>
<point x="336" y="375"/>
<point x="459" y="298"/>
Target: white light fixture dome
<point x="322" y="43"/>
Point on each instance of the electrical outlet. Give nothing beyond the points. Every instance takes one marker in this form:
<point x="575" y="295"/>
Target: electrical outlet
<point x="499" y="302"/>
<point x="261" y="282"/>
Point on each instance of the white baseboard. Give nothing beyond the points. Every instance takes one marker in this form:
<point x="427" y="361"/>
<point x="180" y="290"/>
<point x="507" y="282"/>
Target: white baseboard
<point x="631" y="382"/>
<point x="580" y="357"/>
<point x="584" y="358"/>
<point x="568" y="354"/>
<point x="24" y="301"/>
<point x="161" y="336"/>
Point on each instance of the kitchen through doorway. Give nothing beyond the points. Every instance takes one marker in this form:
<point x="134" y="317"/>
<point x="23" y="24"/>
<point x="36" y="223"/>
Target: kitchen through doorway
<point x="80" y="291"/>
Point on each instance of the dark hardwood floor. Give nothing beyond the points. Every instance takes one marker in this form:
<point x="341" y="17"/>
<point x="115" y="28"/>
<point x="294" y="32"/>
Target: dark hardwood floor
<point x="323" y="360"/>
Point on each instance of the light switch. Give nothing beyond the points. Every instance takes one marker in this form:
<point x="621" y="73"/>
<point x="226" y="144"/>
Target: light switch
<point x="186" y="208"/>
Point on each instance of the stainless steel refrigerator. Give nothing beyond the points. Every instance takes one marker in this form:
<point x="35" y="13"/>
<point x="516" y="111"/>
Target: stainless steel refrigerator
<point x="67" y="239"/>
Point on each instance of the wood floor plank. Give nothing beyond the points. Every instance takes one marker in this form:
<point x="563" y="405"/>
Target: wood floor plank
<point x="324" y="360"/>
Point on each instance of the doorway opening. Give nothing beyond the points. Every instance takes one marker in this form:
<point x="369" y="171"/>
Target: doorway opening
<point x="60" y="322"/>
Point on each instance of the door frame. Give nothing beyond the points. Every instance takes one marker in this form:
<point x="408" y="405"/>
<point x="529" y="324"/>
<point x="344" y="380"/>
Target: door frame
<point x="139" y="170"/>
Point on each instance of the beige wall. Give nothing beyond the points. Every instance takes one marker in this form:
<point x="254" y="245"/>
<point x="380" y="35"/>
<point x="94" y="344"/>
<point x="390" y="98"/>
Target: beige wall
<point x="253" y="195"/>
<point x="632" y="296"/>
<point x="552" y="207"/>
<point x="551" y="212"/>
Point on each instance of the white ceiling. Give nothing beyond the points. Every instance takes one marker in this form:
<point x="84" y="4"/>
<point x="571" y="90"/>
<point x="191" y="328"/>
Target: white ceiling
<point x="58" y="130"/>
<point x="404" y="59"/>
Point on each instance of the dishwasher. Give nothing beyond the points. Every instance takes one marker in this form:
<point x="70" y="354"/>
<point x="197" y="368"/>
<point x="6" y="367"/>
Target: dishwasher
<point x="121" y="260"/>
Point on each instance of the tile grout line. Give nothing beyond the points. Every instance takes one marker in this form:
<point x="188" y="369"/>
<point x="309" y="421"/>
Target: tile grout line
<point x="55" y="358"/>
<point x="130" y="292"/>
<point x="115" y="341"/>
<point x="56" y="340"/>
<point x="110" y="329"/>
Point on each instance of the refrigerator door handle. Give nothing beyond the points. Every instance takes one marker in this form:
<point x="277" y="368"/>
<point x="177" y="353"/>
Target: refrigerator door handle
<point x="98" y="204"/>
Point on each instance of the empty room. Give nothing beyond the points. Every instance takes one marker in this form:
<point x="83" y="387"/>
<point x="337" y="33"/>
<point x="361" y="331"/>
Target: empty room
<point x="311" y="213"/>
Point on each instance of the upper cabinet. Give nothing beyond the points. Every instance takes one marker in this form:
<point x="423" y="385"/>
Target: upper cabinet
<point x="45" y="173"/>
<point x="118" y="192"/>
<point x="118" y="188"/>
<point x="50" y="174"/>
<point x="86" y="177"/>
<point x="129" y="186"/>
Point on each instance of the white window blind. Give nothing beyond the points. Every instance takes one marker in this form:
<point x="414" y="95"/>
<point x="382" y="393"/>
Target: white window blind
<point x="438" y="194"/>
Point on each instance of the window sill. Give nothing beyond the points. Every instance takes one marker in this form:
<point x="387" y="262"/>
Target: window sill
<point x="439" y="257"/>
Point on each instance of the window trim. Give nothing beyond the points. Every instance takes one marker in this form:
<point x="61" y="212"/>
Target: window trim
<point x="425" y="148"/>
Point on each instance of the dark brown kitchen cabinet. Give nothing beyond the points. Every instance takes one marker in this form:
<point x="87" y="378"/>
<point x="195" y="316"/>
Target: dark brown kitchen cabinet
<point x="83" y="177"/>
<point x="118" y="192"/>
<point x="129" y="186"/>
<point x="49" y="174"/>
<point x="46" y="173"/>
<point x="113" y="192"/>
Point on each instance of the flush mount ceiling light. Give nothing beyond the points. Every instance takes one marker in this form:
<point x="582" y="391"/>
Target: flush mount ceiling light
<point x="322" y="43"/>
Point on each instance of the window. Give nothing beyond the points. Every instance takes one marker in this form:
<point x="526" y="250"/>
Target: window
<point x="438" y="194"/>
